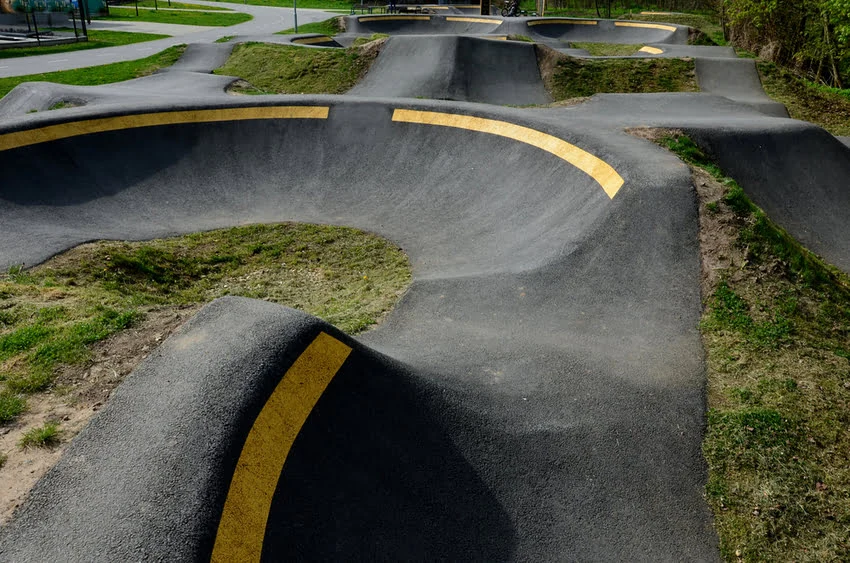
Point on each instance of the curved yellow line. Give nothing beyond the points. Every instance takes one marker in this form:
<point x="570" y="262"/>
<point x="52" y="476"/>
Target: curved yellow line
<point x="242" y="527"/>
<point x="75" y="128"/>
<point x="651" y="50"/>
<point x="596" y="168"/>
<point x="472" y="20"/>
<point x="646" y="25"/>
<point x="562" y="22"/>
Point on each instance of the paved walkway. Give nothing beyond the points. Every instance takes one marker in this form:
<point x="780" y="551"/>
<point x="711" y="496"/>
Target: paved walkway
<point x="266" y="21"/>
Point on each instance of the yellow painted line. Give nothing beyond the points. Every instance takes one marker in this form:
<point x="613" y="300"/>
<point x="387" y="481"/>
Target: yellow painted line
<point x="75" y="128"/>
<point x="591" y="165"/>
<point x="392" y="18"/>
<point x="243" y="522"/>
<point x="656" y="13"/>
<point x="646" y="25"/>
<point x="471" y="20"/>
<point x="495" y="37"/>
<point x="562" y="22"/>
<point x="311" y="40"/>
<point x="651" y="50"/>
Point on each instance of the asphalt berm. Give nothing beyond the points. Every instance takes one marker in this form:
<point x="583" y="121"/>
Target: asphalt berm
<point x="539" y="393"/>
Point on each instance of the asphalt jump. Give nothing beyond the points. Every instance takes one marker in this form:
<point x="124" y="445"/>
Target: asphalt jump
<point x="538" y="394"/>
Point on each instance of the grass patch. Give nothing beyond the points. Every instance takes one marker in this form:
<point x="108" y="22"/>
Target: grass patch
<point x="97" y="40"/>
<point x="104" y="74"/>
<point x="173" y="5"/>
<point x="776" y="327"/>
<point x="827" y="107"/>
<point x="216" y="19"/>
<point x="567" y="77"/>
<point x="364" y="40"/>
<point x="286" y="69"/>
<point x="52" y="314"/>
<point x="329" y="27"/>
<point x="41" y="437"/>
<point x="11" y="405"/>
<point x="341" y="5"/>
<point x="225" y="39"/>
<point x="608" y="49"/>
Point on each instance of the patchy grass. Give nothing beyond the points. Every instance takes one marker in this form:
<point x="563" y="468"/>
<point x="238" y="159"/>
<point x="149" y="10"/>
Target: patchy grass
<point x="364" y="40"/>
<point x="104" y="74"/>
<point x="286" y="69"/>
<point x="224" y="39"/>
<point x="44" y="436"/>
<point x="608" y="49"/>
<point x="97" y="40"/>
<point x="776" y="328"/>
<point x="329" y="27"/>
<point x="216" y="19"/>
<point x="173" y="5"/>
<point x="51" y="315"/>
<point x="826" y="107"/>
<point x="567" y="77"/>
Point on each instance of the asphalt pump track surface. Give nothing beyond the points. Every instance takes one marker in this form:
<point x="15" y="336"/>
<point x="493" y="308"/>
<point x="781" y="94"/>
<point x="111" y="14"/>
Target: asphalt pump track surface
<point x="538" y="394"/>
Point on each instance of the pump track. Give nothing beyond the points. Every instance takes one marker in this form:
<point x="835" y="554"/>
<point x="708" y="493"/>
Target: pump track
<point x="537" y="395"/>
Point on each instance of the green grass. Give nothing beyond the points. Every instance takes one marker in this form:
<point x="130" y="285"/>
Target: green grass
<point x="286" y="69"/>
<point x="576" y="78"/>
<point x="104" y="74"/>
<point x="97" y="40"/>
<point x="374" y="37"/>
<point x="342" y="5"/>
<point x="51" y="315"/>
<point x="11" y="405"/>
<point x="826" y="107"/>
<point x="215" y="19"/>
<point x="776" y="328"/>
<point x="174" y="5"/>
<point x="328" y="27"/>
<point x="41" y="437"/>
<point x="224" y="39"/>
<point x="608" y="49"/>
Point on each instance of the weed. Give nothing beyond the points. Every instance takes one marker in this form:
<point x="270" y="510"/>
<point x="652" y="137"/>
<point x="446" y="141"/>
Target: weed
<point x="11" y="405"/>
<point x="41" y="437"/>
<point x="3" y="459"/>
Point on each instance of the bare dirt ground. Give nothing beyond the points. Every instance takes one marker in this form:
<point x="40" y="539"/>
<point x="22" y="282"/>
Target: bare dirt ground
<point x="79" y="392"/>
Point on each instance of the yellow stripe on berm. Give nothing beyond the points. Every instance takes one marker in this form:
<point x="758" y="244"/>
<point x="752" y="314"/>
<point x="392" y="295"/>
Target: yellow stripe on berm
<point x="596" y="168"/>
<point x="646" y="25"/>
<point x="242" y="527"/>
<point x="75" y="128"/>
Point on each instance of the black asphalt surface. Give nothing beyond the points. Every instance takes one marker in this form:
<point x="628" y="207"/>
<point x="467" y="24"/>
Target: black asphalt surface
<point x="539" y="392"/>
<point x="451" y="67"/>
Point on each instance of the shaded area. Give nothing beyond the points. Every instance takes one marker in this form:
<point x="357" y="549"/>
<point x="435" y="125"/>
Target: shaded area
<point x="456" y="68"/>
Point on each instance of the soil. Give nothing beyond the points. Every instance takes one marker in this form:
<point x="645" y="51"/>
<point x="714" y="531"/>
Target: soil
<point x="79" y="392"/>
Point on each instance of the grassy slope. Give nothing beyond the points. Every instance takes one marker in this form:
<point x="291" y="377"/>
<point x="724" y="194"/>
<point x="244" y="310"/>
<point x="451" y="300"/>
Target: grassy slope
<point x="218" y="19"/>
<point x="575" y="78"/>
<point x="776" y="328"/>
<point x="177" y="5"/>
<point x="306" y="4"/>
<point x="104" y="74"/>
<point x="708" y="24"/>
<point x="328" y="27"/>
<point x="97" y="39"/>
<point x="51" y="315"/>
<point x="285" y="69"/>
<point x="608" y="49"/>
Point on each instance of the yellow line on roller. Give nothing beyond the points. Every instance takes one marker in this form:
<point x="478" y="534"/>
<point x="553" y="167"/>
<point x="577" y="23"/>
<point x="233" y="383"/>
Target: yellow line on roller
<point x="562" y="22"/>
<point x="392" y="18"/>
<point x="243" y="522"/>
<point x="596" y="168"/>
<point x="651" y="50"/>
<point x="471" y="20"/>
<point x="311" y="40"/>
<point x="646" y="25"/>
<point x="75" y="128"/>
